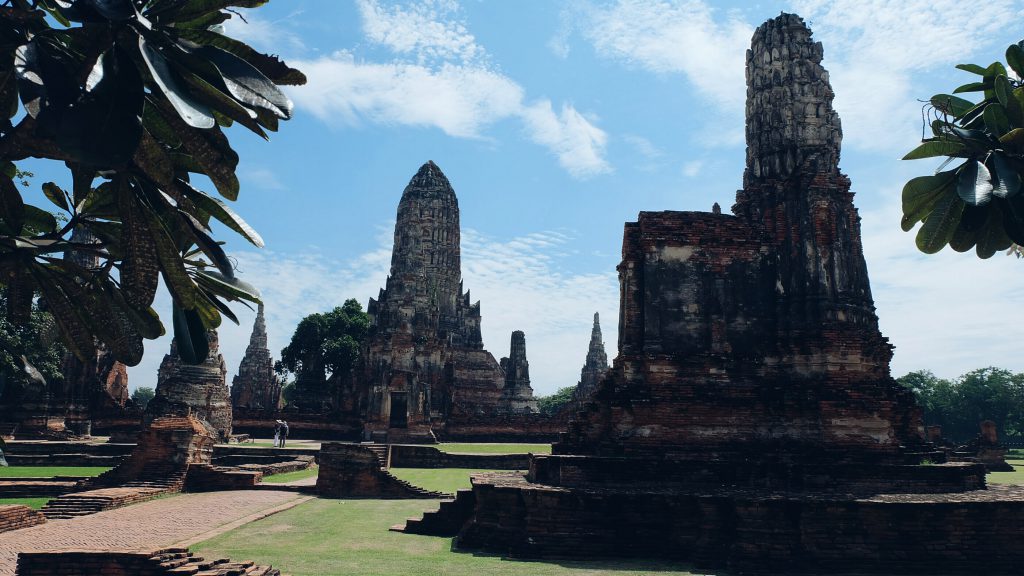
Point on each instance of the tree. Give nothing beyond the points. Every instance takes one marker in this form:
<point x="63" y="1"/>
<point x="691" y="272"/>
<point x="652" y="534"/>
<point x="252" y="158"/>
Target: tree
<point x="132" y="95"/>
<point x="549" y="405"/>
<point x="978" y="204"/>
<point x="31" y="353"/>
<point x="142" y="395"/>
<point x="959" y="405"/>
<point x="323" y="345"/>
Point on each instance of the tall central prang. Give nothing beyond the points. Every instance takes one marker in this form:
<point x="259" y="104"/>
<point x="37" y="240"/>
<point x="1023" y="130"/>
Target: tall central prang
<point x="425" y="361"/>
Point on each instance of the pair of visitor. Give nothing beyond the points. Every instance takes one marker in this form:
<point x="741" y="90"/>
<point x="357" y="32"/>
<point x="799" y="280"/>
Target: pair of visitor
<point x="280" y="433"/>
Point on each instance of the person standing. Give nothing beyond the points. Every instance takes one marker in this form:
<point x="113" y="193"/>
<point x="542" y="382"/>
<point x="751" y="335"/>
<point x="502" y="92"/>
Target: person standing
<point x="284" y="432"/>
<point x="277" y="434"/>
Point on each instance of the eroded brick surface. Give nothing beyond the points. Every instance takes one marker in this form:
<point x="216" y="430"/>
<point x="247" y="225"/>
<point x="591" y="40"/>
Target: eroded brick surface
<point x="142" y="526"/>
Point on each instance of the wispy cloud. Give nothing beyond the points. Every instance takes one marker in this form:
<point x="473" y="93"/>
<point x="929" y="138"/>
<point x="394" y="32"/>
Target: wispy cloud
<point x="521" y="282"/>
<point x="438" y="76"/>
<point x="685" y="36"/>
<point x="874" y="49"/>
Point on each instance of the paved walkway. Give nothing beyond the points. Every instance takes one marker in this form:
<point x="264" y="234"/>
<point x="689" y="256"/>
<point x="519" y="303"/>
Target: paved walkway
<point x="178" y="520"/>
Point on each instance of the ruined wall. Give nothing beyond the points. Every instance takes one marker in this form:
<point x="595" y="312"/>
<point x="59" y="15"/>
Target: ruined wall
<point x="353" y="471"/>
<point x="199" y="390"/>
<point x="517" y="396"/>
<point x="755" y="333"/>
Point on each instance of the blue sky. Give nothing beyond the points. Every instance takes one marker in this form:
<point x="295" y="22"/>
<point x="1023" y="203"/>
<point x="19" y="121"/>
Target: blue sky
<point x="558" y="122"/>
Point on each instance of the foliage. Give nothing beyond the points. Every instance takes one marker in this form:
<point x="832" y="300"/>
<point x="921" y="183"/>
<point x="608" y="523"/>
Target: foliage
<point x="553" y="403"/>
<point x="325" y="344"/>
<point x="142" y="395"/>
<point x="977" y="204"/>
<point x="132" y="96"/>
<point x="959" y="405"/>
<point x="31" y="354"/>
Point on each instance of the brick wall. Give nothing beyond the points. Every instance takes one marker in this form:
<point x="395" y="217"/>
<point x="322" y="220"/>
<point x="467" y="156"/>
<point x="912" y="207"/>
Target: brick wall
<point x="410" y="456"/>
<point x="16" y="517"/>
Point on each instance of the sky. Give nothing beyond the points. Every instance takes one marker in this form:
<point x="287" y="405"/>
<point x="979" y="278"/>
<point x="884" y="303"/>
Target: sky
<point x="557" y="122"/>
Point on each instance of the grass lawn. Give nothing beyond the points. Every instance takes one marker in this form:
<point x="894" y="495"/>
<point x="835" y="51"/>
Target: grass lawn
<point x="351" y="537"/>
<point x="1015" y="477"/>
<point x="438" y="479"/>
<point x="33" y="503"/>
<point x="50" y="471"/>
<point x="468" y="448"/>
<point x="291" y="476"/>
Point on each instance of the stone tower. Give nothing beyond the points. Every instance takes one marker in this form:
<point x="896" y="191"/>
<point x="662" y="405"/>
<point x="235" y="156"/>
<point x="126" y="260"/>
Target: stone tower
<point x="761" y="323"/>
<point x="256" y="385"/>
<point x="199" y="390"/>
<point x="517" y="396"/>
<point x="594" y="368"/>
<point x="425" y="359"/>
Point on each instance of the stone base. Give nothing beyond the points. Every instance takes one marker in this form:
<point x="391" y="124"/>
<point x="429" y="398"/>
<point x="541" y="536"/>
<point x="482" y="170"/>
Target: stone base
<point x="16" y="517"/>
<point x="756" y="531"/>
<point x="355" y="471"/>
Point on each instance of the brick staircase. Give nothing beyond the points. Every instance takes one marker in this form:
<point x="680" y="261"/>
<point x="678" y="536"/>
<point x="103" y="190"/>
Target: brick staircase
<point x="157" y="481"/>
<point x="446" y="520"/>
<point x="413" y="491"/>
<point x="163" y="562"/>
<point x="381" y="450"/>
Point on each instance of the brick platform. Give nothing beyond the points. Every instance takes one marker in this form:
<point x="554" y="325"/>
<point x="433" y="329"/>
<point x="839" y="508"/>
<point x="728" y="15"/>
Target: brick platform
<point x="148" y="525"/>
<point x="351" y="470"/>
<point x="16" y="517"/>
<point x="162" y="562"/>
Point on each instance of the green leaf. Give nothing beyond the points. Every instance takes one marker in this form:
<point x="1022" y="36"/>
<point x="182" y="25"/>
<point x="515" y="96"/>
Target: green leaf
<point x="940" y="225"/>
<point x="964" y="238"/>
<point x="246" y="83"/>
<point x="1003" y="89"/>
<point x="996" y="120"/>
<point x="952" y="105"/>
<point x="56" y="195"/>
<point x="972" y="68"/>
<point x="12" y="207"/>
<point x="189" y="335"/>
<point x="934" y="148"/>
<point x="993" y="237"/>
<point x="973" y="87"/>
<point x="230" y="288"/>
<point x="193" y="113"/>
<point x="1015" y="136"/>
<point x="1005" y="179"/>
<point x="974" y="183"/>
<point x="270" y="66"/>
<point x="220" y="102"/>
<point x="219" y="210"/>
<point x="38" y="221"/>
<point x="921" y="194"/>
<point x="1015" y="58"/>
<point x="208" y="245"/>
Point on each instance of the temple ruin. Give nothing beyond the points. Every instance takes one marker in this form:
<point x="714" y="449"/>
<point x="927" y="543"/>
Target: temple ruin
<point x="749" y="421"/>
<point x="594" y="368"/>
<point x="197" y="390"/>
<point x="517" y="396"/>
<point x="256" y="386"/>
<point x="425" y="360"/>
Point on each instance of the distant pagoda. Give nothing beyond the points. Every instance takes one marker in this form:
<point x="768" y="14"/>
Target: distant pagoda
<point x="595" y="367"/>
<point x="256" y="386"/>
<point x="517" y="396"/>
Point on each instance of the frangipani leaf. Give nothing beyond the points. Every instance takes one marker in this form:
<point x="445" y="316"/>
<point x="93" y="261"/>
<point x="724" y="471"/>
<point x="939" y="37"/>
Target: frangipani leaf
<point x="934" y="148"/>
<point x="974" y="184"/>
<point x="1006" y="180"/>
<point x="940" y="224"/>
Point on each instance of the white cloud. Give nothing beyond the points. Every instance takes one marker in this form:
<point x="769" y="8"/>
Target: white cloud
<point x="439" y="77"/>
<point x="875" y="48"/>
<point x="677" y="36"/>
<point x="520" y="282"/>
<point x="692" y="168"/>
<point x="270" y="36"/>
<point x="424" y="30"/>
<point x="948" y="312"/>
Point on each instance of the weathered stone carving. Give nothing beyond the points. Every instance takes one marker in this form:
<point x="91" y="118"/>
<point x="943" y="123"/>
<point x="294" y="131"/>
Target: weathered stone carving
<point x="749" y="421"/>
<point x="256" y="386"/>
<point x="594" y="368"/>
<point x="517" y="396"/>
<point x="425" y="357"/>
<point x="198" y="390"/>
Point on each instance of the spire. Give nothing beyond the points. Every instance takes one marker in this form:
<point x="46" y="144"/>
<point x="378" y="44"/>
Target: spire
<point x="258" y="339"/>
<point x="429" y="180"/>
<point x="790" y="120"/>
<point x="595" y="366"/>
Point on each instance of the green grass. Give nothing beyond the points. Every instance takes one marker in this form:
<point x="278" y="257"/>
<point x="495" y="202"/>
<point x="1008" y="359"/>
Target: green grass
<point x="351" y="537"/>
<point x="291" y="476"/>
<point x="50" y="471"/>
<point x="468" y="448"/>
<point x="438" y="479"/>
<point x="33" y="503"/>
<point x="1015" y="477"/>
